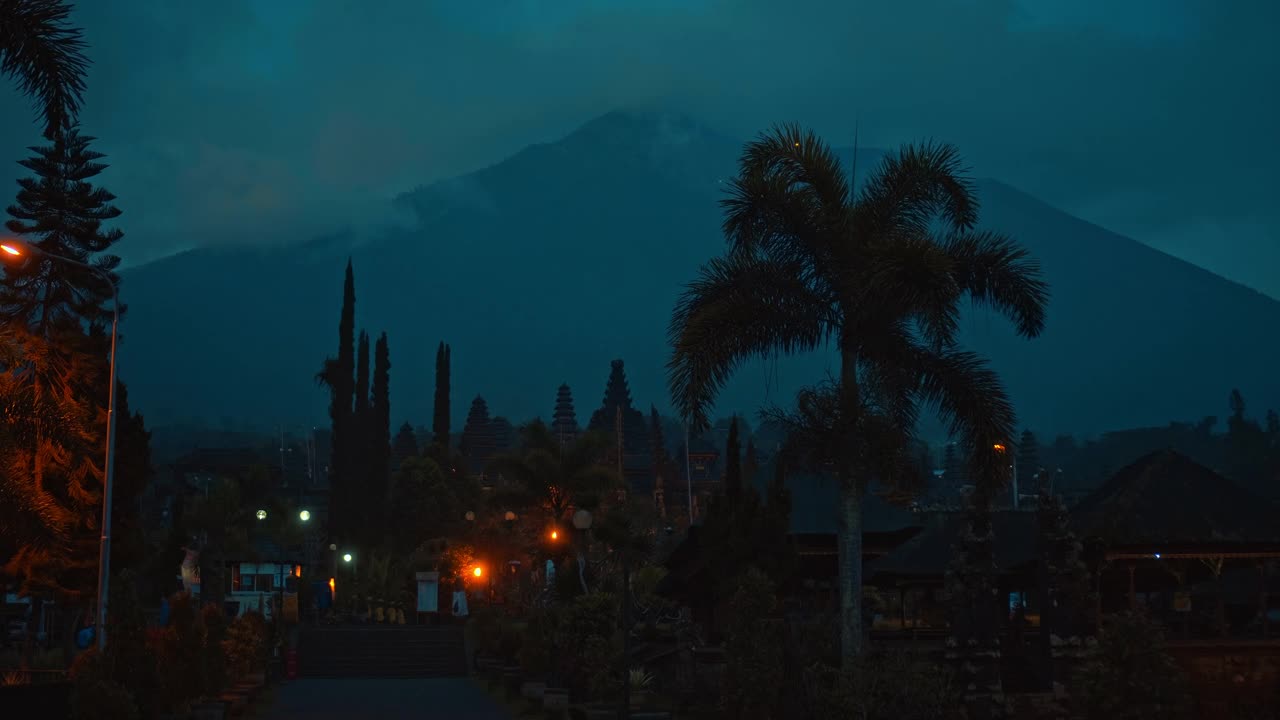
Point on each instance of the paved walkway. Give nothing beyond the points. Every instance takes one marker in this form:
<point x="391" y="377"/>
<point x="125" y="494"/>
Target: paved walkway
<point x="376" y="699"/>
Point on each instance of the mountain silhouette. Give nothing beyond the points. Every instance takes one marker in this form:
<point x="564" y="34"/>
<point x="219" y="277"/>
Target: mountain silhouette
<point x="542" y="268"/>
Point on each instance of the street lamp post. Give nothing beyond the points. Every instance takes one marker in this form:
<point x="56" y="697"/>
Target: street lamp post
<point x="22" y="249"/>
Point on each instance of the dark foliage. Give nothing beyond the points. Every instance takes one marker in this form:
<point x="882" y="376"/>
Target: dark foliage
<point x="45" y="54"/>
<point x="440" y="415"/>
<point x="62" y="213"/>
<point x="404" y="446"/>
<point x="1129" y="676"/>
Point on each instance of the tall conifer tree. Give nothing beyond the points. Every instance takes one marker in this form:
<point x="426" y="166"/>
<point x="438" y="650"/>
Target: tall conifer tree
<point x="62" y="213"/>
<point x="440" y="417"/>
<point x="338" y="375"/>
<point x="54" y="384"/>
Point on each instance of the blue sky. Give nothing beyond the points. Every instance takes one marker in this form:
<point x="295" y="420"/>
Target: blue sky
<point x="276" y="120"/>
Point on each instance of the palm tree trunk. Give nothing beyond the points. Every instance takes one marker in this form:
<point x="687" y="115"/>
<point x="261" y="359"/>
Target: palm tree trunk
<point x="849" y="542"/>
<point x="849" y="545"/>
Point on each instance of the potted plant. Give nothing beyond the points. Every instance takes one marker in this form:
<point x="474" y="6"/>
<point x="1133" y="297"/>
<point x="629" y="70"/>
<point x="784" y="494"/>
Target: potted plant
<point x="641" y="683"/>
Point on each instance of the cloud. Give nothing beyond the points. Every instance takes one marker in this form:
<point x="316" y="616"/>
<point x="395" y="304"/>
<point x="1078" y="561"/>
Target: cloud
<point x="296" y="114"/>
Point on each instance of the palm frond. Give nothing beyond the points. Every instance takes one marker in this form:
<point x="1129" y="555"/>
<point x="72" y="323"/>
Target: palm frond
<point x="740" y="307"/>
<point x="910" y="277"/>
<point x="971" y="400"/>
<point x="995" y="270"/>
<point x="46" y="56"/>
<point x="789" y="199"/>
<point x="913" y="188"/>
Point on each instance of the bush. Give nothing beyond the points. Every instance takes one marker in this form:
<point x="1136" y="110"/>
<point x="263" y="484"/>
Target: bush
<point x="215" y="661"/>
<point x="132" y="662"/>
<point x="1129" y="675"/>
<point x="755" y="654"/>
<point x="590" y="644"/>
<point x="487" y="627"/>
<point x="94" y="695"/>
<point x="245" y="646"/>
<point x="181" y="655"/>
<point x="883" y="686"/>
<point x="535" y="647"/>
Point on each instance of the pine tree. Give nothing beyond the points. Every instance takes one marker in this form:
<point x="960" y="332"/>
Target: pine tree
<point x="440" y="417"/>
<point x="380" y="434"/>
<point x="405" y="445"/>
<point x="733" y="467"/>
<point x="477" y="442"/>
<point x="338" y="375"/>
<point x="60" y="212"/>
<point x="53" y="391"/>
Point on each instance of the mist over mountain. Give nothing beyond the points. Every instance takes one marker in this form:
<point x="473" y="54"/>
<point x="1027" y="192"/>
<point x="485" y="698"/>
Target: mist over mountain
<point x="544" y="267"/>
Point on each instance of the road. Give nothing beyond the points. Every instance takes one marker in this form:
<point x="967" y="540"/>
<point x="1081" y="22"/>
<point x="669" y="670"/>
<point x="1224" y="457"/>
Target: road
<point x="376" y="699"/>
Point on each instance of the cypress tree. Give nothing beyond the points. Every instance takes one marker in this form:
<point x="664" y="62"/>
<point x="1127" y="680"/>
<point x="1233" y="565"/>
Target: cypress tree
<point x="440" y="418"/>
<point x="733" y="467"/>
<point x="380" y="432"/>
<point x="338" y="375"/>
<point x="361" y="407"/>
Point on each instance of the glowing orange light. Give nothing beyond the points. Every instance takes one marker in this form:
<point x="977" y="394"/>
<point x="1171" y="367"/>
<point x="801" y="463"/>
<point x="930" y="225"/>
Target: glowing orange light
<point x="331" y="586"/>
<point x="555" y="535"/>
<point x="998" y="447"/>
<point x="797" y="144"/>
<point x="297" y="571"/>
<point x="477" y="571"/>
<point x="11" y="250"/>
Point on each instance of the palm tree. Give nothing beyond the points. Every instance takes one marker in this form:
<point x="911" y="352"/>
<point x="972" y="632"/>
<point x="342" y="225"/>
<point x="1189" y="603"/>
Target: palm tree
<point x="551" y="476"/>
<point x="45" y="56"/>
<point x="881" y="273"/>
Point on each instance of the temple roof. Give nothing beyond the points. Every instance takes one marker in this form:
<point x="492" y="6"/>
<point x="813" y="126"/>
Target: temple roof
<point x="1168" y="498"/>
<point x="929" y="553"/>
<point x="815" y="504"/>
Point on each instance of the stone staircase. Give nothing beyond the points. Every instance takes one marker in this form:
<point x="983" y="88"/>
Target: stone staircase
<point x="382" y="652"/>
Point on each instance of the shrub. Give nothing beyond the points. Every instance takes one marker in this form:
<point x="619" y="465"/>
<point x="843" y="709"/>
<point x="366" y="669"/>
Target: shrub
<point x="883" y="686"/>
<point x="590" y="644"/>
<point x="535" y="646"/>
<point x="755" y="654"/>
<point x="94" y="695"/>
<point x="181" y="655"/>
<point x="510" y="640"/>
<point x="132" y="662"/>
<point x="1129" y="675"/>
<point x="487" y="627"/>
<point x="215" y="661"/>
<point x="244" y="647"/>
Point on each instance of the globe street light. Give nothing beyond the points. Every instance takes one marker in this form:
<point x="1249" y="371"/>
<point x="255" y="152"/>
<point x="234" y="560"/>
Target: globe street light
<point x="13" y="248"/>
<point x="305" y="515"/>
<point x="346" y="557"/>
<point x="262" y="514"/>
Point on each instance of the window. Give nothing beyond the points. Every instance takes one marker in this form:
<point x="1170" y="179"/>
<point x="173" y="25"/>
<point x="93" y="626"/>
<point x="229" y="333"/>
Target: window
<point x="265" y="583"/>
